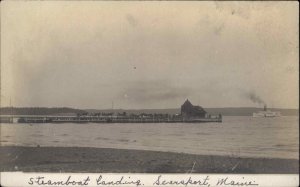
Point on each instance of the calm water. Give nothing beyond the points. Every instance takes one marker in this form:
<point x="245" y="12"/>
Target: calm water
<point x="236" y="136"/>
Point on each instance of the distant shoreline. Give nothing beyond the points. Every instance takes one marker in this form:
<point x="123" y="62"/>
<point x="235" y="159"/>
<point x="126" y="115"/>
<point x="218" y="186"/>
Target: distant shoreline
<point x="225" y="111"/>
<point x="106" y="160"/>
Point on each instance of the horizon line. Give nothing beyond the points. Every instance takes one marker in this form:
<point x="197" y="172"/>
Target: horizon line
<point x="137" y="108"/>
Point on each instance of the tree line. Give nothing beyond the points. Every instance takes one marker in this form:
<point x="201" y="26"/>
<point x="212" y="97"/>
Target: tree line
<point x="37" y="111"/>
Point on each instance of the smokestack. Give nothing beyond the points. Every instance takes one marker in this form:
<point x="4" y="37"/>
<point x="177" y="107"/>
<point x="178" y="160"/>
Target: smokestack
<point x="265" y="107"/>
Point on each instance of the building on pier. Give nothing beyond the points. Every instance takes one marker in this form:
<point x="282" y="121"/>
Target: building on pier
<point x="190" y="111"/>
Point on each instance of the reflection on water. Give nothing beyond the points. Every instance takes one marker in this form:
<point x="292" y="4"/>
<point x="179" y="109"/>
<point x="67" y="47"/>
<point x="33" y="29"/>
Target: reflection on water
<point x="236" y="136"/>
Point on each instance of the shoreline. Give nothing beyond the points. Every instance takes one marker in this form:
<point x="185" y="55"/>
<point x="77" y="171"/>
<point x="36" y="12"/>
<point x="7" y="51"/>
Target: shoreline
<point x="108" y="160"/>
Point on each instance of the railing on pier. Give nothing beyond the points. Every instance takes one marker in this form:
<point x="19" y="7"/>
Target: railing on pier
<point x="105" y="119"/>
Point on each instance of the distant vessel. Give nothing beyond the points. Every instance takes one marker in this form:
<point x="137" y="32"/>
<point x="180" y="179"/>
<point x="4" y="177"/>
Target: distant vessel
<point x="266" y="113"/>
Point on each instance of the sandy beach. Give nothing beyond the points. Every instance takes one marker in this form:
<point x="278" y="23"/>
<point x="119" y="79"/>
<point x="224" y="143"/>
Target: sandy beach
<point x="79" y="159"/>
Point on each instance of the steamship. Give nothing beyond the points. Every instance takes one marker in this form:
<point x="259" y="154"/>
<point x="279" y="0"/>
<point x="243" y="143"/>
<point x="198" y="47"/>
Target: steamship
<point x="266" y="113"/>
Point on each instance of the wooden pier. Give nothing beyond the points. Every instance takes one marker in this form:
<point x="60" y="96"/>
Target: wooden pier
<point x="103" y="119"/>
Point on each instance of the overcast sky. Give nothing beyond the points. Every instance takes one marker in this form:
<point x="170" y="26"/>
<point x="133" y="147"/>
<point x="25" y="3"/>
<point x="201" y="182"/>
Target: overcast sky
<point x="149" y="54"/>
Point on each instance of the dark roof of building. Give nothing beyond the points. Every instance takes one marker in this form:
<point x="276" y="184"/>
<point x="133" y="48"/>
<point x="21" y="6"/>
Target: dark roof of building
<point x="199" y="108"/>
<point x="187" y="103"/>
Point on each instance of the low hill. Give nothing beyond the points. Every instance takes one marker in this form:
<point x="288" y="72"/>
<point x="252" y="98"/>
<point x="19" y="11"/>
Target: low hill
<point x="39" y="111"/>
<point x="242" y="111"/>
<point x="248" y="111"/>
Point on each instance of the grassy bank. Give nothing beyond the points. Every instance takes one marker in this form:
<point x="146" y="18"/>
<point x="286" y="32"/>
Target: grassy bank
<point x="79" y="159"/>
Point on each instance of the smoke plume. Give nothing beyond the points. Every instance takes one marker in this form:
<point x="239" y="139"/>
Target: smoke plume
<point x="254" y="98"/>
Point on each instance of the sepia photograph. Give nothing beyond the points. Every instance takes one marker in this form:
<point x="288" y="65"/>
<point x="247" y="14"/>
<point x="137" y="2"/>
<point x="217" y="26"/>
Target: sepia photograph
<point x="170" y="87"/>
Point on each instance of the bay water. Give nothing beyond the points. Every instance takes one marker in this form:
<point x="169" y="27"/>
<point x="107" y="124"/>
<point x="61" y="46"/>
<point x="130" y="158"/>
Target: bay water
<point x="237" y="136"/>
